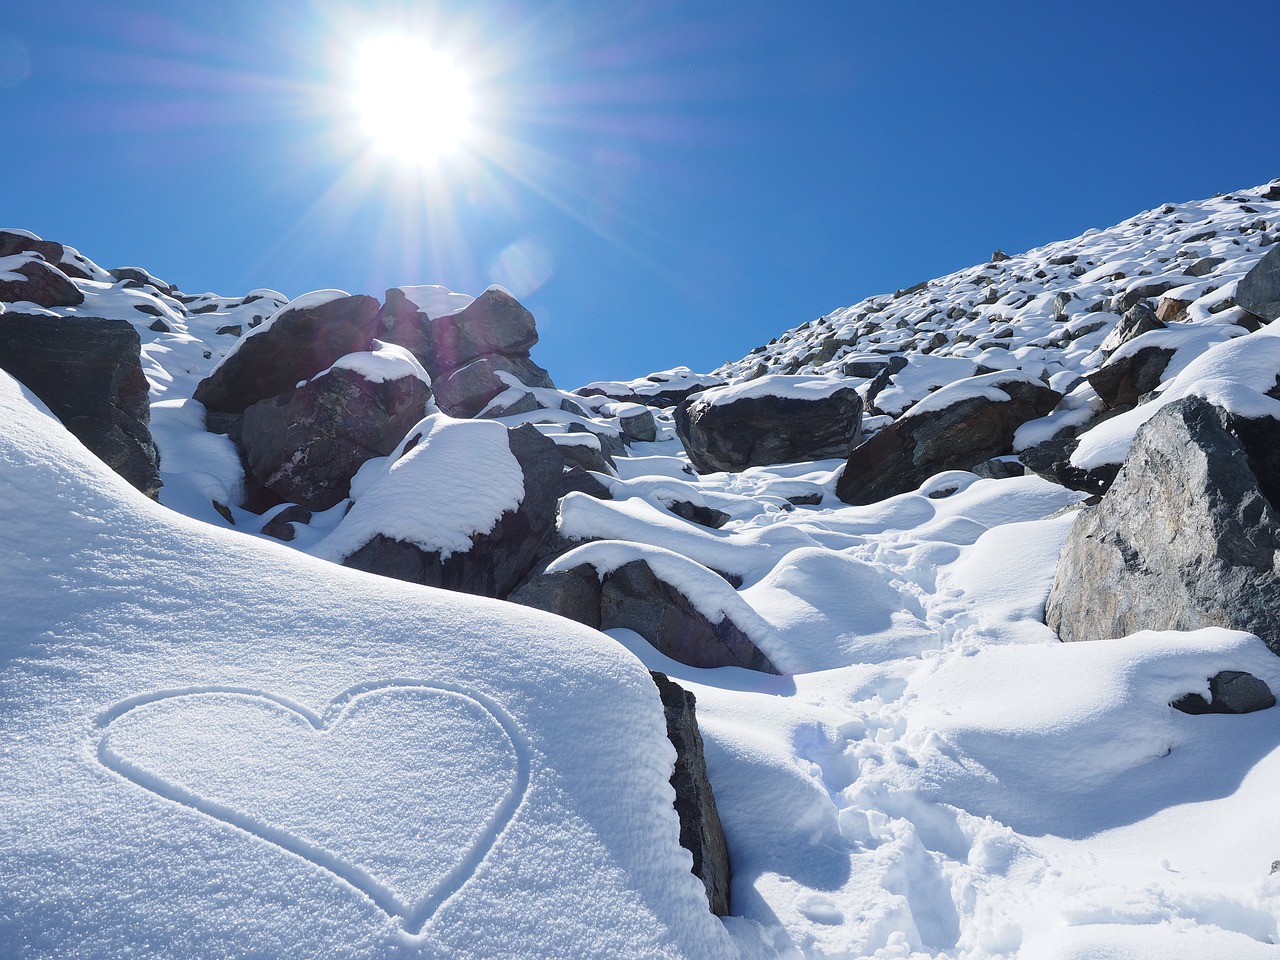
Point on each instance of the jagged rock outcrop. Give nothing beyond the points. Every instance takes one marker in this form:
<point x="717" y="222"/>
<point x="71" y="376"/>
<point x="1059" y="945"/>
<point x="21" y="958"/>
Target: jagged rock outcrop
<point x="88" y="372"/>
<point x="305" y="337"/>
<point x="954" y="429"/>
<point x="772" y="420"/>
<point x="306" y="445"/>
<point x="700" y="830"/>
<point x="1186" y="537"/>
<point x="1259" y="290"/>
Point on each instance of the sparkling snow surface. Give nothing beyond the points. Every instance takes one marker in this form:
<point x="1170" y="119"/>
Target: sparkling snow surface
<point x="212" y="745"/>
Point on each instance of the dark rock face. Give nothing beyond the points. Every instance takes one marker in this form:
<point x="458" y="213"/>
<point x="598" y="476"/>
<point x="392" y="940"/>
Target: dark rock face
<point x="1259" y="289"/>
<point x="493" y="323"/>
<point x="756" y="431"/>
<point x="1052" y="460"/>
<point x="633" y="597"/>
<point x="1123" y="380"/>
<point x="307" y="444"/>
<point x="498" y="560"/>
<point x="916" y="446"/>
<point x="699" y="514"/>
<point x="1231" y="691"/>
<point x="639" y="426"/>
<point x="296" y="346"/>
<point x="700" y="830"/>
<point x="88" y="372"/>
<point x="466" y="391"/>
<point x="41" y="284"/>
<point x="1137" y="320"/>
<point x="1185" y="538"/>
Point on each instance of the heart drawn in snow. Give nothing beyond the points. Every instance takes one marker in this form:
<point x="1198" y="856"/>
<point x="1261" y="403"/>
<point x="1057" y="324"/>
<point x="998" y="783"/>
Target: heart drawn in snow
<point x="400" y="788"/>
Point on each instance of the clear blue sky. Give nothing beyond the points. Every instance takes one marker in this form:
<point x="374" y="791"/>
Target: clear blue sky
<point x="661" y="182"/>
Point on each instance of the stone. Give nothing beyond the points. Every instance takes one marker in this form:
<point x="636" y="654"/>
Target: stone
<point x="281" y="526"/>
<point x="465" y="392"/>
<point x="999" y="468"/>
<point x="88" y="372"/>
<point x="498" y="560"/>
<point x="1205" y="266"/>
<point x="40" y="283"/>
<point x="1259" y="290"/>
<point x="1129" y="375"/>
<point x="1230" y="691"/>
<point x="306" y="445"/>
<point x="699" y="513"/>
<point x="639" y="427"/>
<point x="1186" y="537"/>
<point x="298" y="343"/>
<point x="952" y="437"/>
<point x="1136" y="321"/>
<point x="573" y="594"/>
<point x="701" y="832"/>
<point x="1051" y="459"/>
<point x="635" y="598"/>
<point x="1171" y="309"/>
<point x="1135" y="295"/>
<point x="757" y="430"/>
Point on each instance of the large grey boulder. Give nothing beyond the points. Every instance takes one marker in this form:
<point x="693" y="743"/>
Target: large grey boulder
<point x="776" y="419"/>
<point x="26" y="278"/>
<point x="1130" y="374"/>
<point x="1186" y="537"/>
<point x="1137" y="320"/>
<point x="942" y="433"/>
<point x="296" y="344"/>
<point x="306" y="445"/>
<point x="1259" y="290"/>
<point x="498" y="559"/>
<point x="700" y="830"/>
<point x="88" y="372"/>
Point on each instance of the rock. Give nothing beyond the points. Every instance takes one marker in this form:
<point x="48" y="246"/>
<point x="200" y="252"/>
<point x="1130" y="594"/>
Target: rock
<point x="13" y="242"/>
<point x="1129" y="375"/>
<point x="942" y="434"/>
<point x="998" y="468"/>
<point x="776" y="420"/>
<point x="999" y="256"/>
<point x="573" y="594"/>
<point x="700" y="830"/>
<point x="664" y="389"/>
<point x="1135" y="295"/>
<point x="639" y="427"/>
<point x="884" y="377"/>
<point x="88" y="372"/>
<point x="306" y="445"/>
<point x="295" y="345"/>
<point x="1138" y="320"/>
<point x="1230" y="691"/>
<point x="281" y="525"/>
<point x="588" y="456"/>
<point x="635" y="598"/>
<point x="1052" y="460"/>
<point x="1185" y="538"/>
<point x="867" y="369"/>
<point x="497" y="560"/>
<point x="1259" y="290"/>
<point x="1204" y="266"/>
<point x="1172" y="310"/>
<point x="465" y="392"/>
<point x="698" y="513"/>
<point x="493" y="323"/>
<point x="34" y="281"/>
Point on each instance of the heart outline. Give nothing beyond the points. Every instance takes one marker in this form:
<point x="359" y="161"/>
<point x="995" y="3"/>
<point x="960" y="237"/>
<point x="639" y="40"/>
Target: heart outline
<point x="411" y="917"/>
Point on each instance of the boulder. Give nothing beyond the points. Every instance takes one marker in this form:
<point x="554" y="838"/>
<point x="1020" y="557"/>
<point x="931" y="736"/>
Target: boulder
<point x="306" y="445"/>
<point x="775" y="419"/>
<point x="955" y="428"/>
<point x="88" y="372"/>
<point x="26" y="278"/>
<point x="1230" y="691"/>
<point x="700" y="830"/>
<point x="1205" y="266"/>
<point x="1259" y="290"/>
<point x="639" y="427"/>
<point x="496" y="560"/>
<point x="1130" y="375"/>
<point x="299" y="341"/>
<point x="699" y="513"/>
<point x="1051" y="459"/>
<point x="466" y="391"/>
<point x="1186" y="537"/>
<point x="1136" y="321"/>
<point x="493" y="323"/>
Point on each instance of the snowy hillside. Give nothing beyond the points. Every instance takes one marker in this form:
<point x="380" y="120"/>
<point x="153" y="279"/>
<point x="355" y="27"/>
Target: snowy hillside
<point x="246" y="720"/>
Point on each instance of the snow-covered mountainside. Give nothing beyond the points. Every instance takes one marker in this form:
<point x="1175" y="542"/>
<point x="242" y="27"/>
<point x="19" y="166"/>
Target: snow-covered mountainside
<point x="246" y="720"/>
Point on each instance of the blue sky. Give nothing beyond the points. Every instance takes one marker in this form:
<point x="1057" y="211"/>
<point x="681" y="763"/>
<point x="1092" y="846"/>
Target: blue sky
<point x="662" y="183"/>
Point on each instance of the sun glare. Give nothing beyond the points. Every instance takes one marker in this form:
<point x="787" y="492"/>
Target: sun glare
<point x="414" y="102"/>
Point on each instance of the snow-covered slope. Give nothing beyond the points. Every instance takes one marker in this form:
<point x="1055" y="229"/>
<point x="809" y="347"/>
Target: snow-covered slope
<point x="934" y="774"/>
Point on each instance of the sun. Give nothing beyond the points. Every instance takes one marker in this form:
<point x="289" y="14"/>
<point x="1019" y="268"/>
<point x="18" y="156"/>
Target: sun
<point x="414" y="103"/>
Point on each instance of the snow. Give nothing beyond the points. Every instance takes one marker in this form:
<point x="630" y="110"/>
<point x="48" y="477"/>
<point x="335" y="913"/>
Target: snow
<point x="775" y="385"/>
<point x="384" y="363"/>
<point x="416" y="497"/>
<point x="213" y="744"/>
<point x="435" y="300"/>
